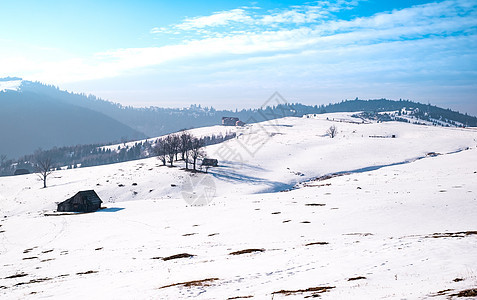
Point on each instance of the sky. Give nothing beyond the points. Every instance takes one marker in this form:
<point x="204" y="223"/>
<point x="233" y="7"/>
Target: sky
<point x="236" y="54"/>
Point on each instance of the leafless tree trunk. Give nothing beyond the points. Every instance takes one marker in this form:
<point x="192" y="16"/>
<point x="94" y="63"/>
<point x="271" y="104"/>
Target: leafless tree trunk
<point x="185" y="145"/>
<point x="176" y="144"/>
<point x="43" y="167"/>
<point x="160" y="150"/>
<point x="196" y="150"/>
<point x="332" y="131"/>
<point x="170" y="149"/>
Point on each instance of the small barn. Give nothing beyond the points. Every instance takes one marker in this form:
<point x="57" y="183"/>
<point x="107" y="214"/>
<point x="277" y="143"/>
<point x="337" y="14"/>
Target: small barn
<point x="210" y="162"/>
<point x="21" y="172"/>
<point x="84" y="201"/>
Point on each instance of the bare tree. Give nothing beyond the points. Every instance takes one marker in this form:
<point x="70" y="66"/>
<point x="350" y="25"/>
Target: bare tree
<point x="176" y="144"/>
<point x="332" y="131"/>
<point x="43" y="167"/>
<point x="3" y="158"/>
<point x="196" y="150"/>
<point x="185" y="145"/>
<point x="160" y="150"/>
<point x="169" y="150"/>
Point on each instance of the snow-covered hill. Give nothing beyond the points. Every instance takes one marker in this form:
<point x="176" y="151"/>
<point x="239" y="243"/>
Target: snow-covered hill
<point x="399" y="223"/>
<point x="10" y="83"/>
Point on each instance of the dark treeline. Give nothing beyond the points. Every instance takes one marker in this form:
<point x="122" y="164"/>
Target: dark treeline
<point x="95" y="154"/>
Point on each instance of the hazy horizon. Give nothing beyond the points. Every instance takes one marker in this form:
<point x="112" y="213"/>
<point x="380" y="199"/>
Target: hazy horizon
<point x="236" y="54"/>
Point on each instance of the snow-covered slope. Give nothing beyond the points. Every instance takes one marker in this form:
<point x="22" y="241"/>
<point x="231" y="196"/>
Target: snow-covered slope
<point x="408" y="228"/>
<point x="10" y="84"/>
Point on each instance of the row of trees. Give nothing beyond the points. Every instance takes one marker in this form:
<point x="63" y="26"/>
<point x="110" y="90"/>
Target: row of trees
<point x="174" y="147"/>
<point x="184" y="144"/>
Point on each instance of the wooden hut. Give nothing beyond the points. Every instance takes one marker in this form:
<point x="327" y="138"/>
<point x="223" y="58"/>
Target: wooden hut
<point x="84" y="201"/>
<point x="210" y="162"/>
<point x="21" y="172"/>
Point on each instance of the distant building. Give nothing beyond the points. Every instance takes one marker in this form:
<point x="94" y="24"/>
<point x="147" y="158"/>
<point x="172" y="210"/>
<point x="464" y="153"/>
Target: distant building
<point x="84" y="201"/>
<point x="229" y="121"/>
<point x="21" y="172"/>
<point x="239" y="123"/>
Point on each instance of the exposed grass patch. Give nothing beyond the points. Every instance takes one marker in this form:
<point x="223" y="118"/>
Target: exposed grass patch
<point x="47" y="251"/>
<point x="27" y="258"/>
<point x="28" y="250"/>
<point x="87" y="272"/>
<point x="467" y="293"/>
<point x="452" y="234"/>
<point x="276" y="213"/>
<point x="315" y="290"/>
<point x="16" y="276"/>
<point x="189" y="234"/>
<point x="239" y="297"/>
<point x="286" y="221"/>
<point x="317" y="243"/>
<point x="315" y="204"/>
<point x="177" y="256"/>
<point x="203" y="282"/>
<point x="33" y="281"/>
<point x="246" y="251"/>
<point x="443" y="292"/>
<point x="356" y="278"/>
<point x="316" y="185"/>
<point x="360" y="234"/>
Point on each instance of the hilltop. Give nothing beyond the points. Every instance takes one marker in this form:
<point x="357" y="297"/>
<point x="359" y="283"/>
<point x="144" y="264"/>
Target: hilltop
<point x="290" y="213"/>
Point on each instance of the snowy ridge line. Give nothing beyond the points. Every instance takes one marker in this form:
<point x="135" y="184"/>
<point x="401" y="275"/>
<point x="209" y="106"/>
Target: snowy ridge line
<point x="10" y="85"/>
<point x="370" y="168"/>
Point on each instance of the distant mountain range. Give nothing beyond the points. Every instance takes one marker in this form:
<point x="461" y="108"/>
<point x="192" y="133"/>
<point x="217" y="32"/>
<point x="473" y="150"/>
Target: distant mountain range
<point x="34" y="115"/>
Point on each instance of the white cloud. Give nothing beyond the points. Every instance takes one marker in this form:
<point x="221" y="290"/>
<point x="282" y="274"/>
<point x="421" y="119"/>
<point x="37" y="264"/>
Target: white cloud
<point x="320" y="41"/>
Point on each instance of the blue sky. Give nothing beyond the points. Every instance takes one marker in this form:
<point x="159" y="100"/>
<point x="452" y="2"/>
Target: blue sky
<point x="235" y="54"/>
